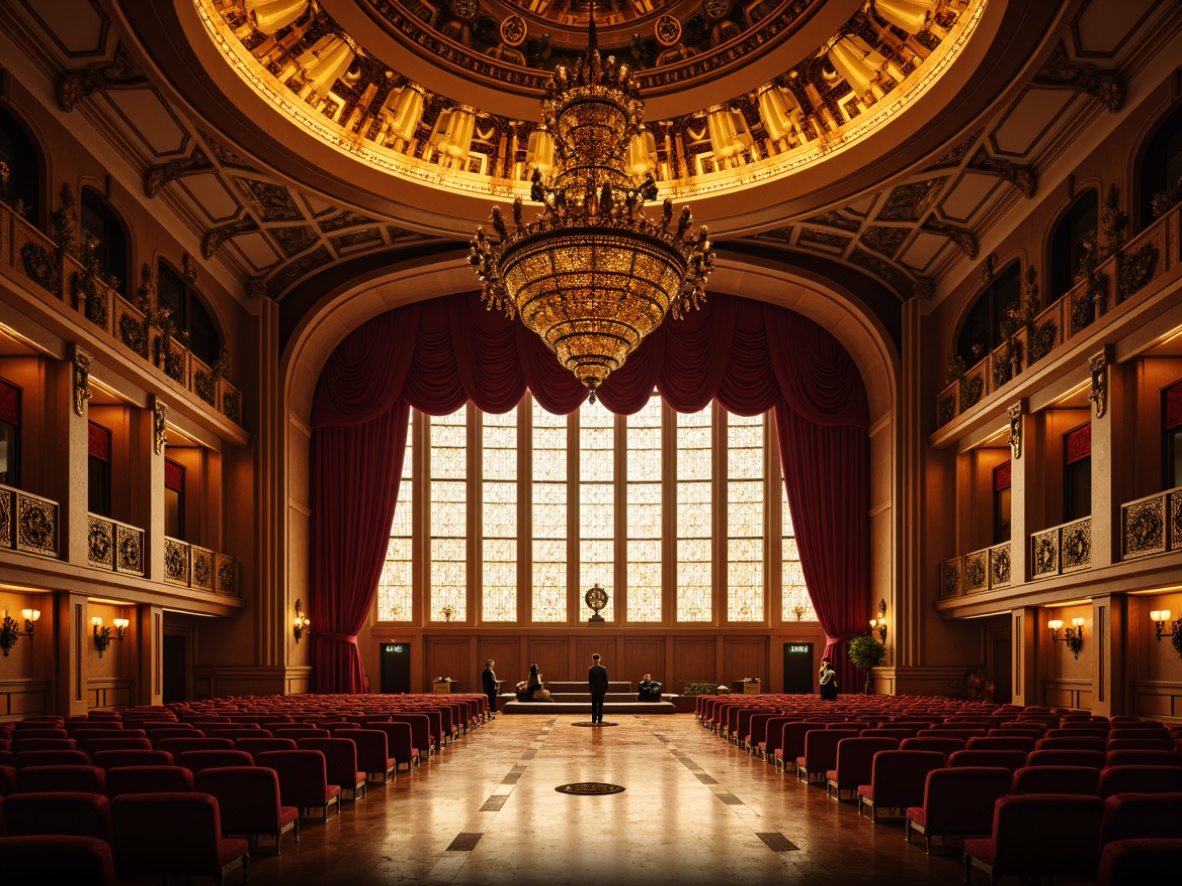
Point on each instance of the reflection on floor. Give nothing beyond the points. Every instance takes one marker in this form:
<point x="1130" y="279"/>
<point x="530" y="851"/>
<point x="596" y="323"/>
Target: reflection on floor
<point x="695" y="810"/>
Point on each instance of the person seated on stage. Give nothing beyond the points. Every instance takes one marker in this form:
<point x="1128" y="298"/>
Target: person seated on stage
<point x="534" y="686"/>
<point x="650" y="689"/>
<point x="523" y="691"/>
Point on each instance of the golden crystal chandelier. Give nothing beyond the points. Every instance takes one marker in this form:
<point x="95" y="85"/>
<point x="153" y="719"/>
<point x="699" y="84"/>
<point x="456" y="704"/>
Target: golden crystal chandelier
<point x="592" y="274"/>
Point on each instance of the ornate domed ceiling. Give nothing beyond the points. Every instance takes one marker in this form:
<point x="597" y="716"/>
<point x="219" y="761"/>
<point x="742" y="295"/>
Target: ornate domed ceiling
<point x="878" y="138"/>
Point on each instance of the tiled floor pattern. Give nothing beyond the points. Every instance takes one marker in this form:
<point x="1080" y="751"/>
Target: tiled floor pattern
<point x="695" y="811"/>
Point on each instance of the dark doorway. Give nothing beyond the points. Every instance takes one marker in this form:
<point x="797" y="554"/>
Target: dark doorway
<point x="395" y="667"/>
<point x="799" y="673"/>
<point x="176" y="668"/>
<point x="1003" y="670"/>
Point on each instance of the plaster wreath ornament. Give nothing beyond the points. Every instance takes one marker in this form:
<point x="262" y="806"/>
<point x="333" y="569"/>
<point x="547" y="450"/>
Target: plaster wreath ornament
<point x="974" y="573"/>
<point x="1076" y="548"/>
<point x="1001" y="567"/>
<point x="951" y="581"/>
<point x="174" y="562"/>
<point x="98" y="542"/>
<point x="1044" y="556"/>
<point x="129" y="553"/>
<point x="1144" y="529"/>
<point x="36" y="529"/>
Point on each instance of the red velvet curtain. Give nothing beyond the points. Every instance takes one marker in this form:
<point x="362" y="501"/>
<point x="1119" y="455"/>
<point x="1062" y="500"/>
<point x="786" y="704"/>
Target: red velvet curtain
<point x="436" y="355"/>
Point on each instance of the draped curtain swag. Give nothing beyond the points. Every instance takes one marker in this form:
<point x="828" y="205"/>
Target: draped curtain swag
<point x="435" y="356"/>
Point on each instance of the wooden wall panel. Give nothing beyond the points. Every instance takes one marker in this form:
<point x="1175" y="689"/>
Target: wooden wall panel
<point x="643" y="656"/>
<point x="108" y="693"/>
<point x="693" y="662"/>
<point x="745" y="657"/>
<point x="23" y="698"/>
<point x="506" y="652"/>
<point x="1075" y="694"/>
<point x="452" y="658"/>
<point x="551" y="655"/>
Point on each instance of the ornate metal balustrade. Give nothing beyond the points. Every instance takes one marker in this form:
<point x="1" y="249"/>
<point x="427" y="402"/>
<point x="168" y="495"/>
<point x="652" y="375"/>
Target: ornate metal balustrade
<point x="1061" y="549"/>
<point x="976" y="572"/>
<point x="28" y="523"/>
<point x="1118" y="279"/>
<point x="36" y="256"/>
<point x="112" y="545"/>
<point x="199" y="568"/>
<point x="1151" y="525"/>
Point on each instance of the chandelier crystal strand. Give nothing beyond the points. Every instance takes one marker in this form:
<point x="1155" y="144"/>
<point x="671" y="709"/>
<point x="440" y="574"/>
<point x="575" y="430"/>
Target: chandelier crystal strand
<point x="592" y="274"/>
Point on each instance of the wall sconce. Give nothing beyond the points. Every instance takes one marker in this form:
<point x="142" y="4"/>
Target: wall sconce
<point x="1160" y="616"/>
<point x="1073" y="636"/>
<point x="11" y="628"/>
<point x="878" y="623"/>
<point x="301" y="622"/>
<point x="102" y="633"/>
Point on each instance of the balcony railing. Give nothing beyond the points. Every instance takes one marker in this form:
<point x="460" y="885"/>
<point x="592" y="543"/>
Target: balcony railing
<point x="1061" y="549"/>
<point x="35" y="255"/>
<point x="199" y="568"/>
<point x="1151" y="525"/>
<point x="1118" y="280"/>
<point x="112" y="545"/>
<point x="976" y="572"/>
<point x="28" y="523"/>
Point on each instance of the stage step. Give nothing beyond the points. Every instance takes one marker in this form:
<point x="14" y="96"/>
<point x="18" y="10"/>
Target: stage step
<point x="618" y="708"/>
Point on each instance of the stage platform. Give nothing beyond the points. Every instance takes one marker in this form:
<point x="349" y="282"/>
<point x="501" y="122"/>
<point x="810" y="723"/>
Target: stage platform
<point x="573" y="698"/>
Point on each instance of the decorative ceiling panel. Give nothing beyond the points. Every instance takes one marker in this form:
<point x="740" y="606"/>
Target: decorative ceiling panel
<point x="1103" y="26"/>
<point x="257" y="251"/>
<point x="968" y="196"/>
<point x="1025" y="122"/>
<point x="211" y="195"/>
<point x="922" y="251"/>
<point x="79" y="35"/>
<point x="152" y="121"/>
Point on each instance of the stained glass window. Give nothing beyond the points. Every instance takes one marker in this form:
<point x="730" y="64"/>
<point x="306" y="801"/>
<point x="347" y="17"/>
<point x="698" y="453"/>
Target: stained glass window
<point x="549" y="516"/>
<point x="744" y="517"/>
<point x="449" y="517"/>
<point x="644" y="513"/>
<point x="597" y="533"/>
<point x="499" y="517"/>
<point x="725" y="513"/>
<point x="396" y="587"/>
<point x="695" y="446"/>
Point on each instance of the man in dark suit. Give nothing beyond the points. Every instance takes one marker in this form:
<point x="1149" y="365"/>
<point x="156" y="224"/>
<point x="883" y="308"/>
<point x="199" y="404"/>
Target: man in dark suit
<point x="489" y="680"/>
<point x="597" y="684"/>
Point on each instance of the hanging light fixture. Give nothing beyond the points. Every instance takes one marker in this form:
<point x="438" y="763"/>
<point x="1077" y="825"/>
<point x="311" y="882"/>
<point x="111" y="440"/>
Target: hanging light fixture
<point x="592" y="275"/>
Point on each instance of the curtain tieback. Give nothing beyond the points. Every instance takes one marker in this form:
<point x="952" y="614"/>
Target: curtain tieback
<point x="340" y="638"/>
<point x="833" y="641"/>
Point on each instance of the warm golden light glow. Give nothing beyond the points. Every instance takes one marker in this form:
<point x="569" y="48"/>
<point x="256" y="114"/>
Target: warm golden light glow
<point x="592" y="275"/>
<point x="1160" y="615"/>
<point x="1055" y="623"/>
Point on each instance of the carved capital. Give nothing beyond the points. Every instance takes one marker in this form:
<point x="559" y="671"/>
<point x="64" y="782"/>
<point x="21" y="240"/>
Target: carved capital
<point x="158" y="176"/>
<point x="1022" y="177"/>
<point x="159" y="428"/>
<point x="965" y="240"/>
<point x="215" y="237"/>
<point x="256" y="288"/>
<point x="1060" y="71"/>
<point x="82" y="393"/>
<point x="1098" y="364"/>
<point x="988" y="268"/>
<point x="1015" y="413"/>
<point x="120" y="72"/>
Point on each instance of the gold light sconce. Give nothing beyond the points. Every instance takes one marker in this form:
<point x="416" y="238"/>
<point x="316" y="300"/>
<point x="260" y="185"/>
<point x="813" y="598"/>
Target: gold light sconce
<point x="10" y="631"/>
<point x="103" y="635"/>
<point x="1072" y="636"/>
<point x="878" y="624"/>
<point x="300" y="622"/>
<point x="1160" y="617"/>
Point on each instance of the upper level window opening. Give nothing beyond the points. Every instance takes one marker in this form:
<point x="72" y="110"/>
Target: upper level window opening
<point x="1001" y="503"/>
<point x="981" y="332"/>
<point x="190" y="315"/>
<point x="1172" y="423"/>
<point x="20" y="178"/>
<point x="1077" y="473"/>
<point x="10" y="421"/>
<point x="1159" y="173"/>
<point x="1074" y="236"/>
<point x="104" y="233"/>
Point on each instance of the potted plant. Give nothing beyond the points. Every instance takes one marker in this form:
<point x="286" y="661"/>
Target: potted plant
<point x="866" y="652"/>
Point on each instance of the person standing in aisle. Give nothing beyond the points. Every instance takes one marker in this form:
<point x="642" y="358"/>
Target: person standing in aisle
<point x="597" y="684"/>
<point x="489" y="681"/>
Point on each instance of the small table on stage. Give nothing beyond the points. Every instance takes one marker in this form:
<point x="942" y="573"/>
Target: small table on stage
<point x="747" y="687"/>
<point x="445" y="687"/>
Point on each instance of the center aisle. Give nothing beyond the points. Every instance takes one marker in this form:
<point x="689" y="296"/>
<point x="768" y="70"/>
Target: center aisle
<point x="694" y="811"/>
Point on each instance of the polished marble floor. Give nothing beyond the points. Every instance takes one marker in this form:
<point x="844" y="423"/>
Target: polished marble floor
<point x="696" y="810"/>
